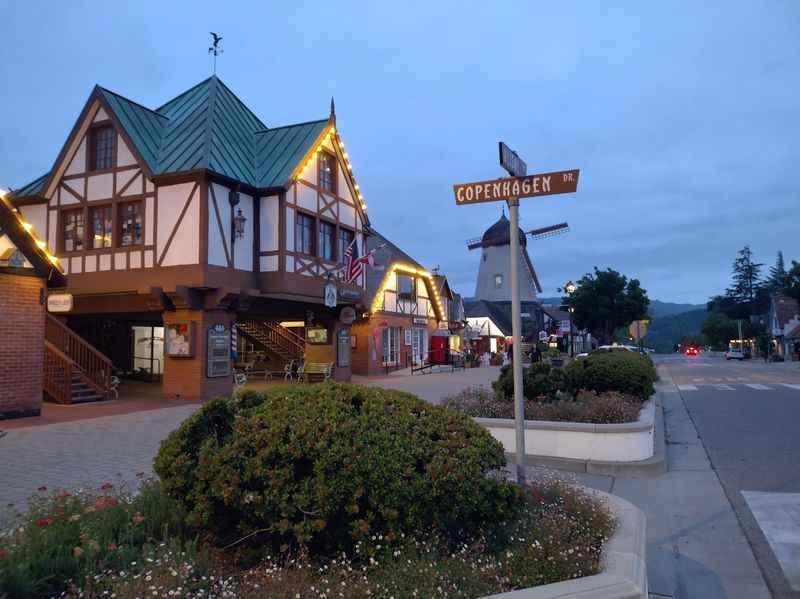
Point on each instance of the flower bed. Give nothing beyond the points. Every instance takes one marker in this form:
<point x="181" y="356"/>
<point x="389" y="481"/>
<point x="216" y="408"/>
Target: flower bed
<point x="110" y="543"/>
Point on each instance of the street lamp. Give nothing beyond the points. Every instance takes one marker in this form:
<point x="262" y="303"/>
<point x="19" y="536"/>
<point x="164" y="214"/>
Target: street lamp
<point x="569" y="288"/>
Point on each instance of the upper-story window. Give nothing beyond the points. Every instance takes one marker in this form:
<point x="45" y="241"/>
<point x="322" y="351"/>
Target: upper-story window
<point x="102" y="227"/>
<point x="327" y="171"/>
<point x="304" y="234"/>
<point x="101" y="147"/>
<point x="327" y="241"/>
<point x="73" y="233"/>
<point x="498" y="281"/>
<point x="130" y="223"/>
<point x="345" y="239"/>
<point x="406" y="286"/>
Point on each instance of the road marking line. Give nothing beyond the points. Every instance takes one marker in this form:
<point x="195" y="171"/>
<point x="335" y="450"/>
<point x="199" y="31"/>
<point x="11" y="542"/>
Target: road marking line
<point x="790" y="386"/>
<point x="687" y="388"/>
<point x="724" y="388"/>
<point x="758" y="387"/>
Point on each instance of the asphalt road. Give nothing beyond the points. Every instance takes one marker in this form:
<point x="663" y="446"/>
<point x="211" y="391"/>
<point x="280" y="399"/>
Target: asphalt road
<point x="748" y="416"/>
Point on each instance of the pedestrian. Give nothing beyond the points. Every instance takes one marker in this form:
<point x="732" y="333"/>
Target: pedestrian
<point x="510" y="352"/>
<point x="536" y="355"/>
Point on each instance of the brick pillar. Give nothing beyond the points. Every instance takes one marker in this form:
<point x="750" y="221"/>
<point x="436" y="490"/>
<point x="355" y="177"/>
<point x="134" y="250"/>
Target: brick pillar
<point x="187" y="377"/>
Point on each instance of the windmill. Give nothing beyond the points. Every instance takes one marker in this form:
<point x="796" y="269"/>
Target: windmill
<point x="493" y="282"/>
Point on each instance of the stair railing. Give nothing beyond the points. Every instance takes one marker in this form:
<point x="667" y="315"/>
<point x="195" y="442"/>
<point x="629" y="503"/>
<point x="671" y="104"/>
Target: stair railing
<point x="57" y="381"/>
<point x="94" y="367"/>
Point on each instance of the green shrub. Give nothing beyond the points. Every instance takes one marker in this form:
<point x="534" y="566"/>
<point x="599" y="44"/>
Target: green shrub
<point x="540" y="382"/>
<point x="622" y="371"/>
<point x="331" y="465"/>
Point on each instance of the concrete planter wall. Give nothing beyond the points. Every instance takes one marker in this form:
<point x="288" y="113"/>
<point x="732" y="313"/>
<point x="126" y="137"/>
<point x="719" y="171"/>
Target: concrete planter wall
<point x="627" y="442"/>
<point x="624" y="574"/>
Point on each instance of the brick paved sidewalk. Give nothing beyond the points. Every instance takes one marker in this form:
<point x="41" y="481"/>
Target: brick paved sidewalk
<point x="83" y="453"/>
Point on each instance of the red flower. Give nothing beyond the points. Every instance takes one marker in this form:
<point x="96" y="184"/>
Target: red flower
<point x="42" y="522"/>
<point x="63" y="494"/>
<point x="106" y="486"/>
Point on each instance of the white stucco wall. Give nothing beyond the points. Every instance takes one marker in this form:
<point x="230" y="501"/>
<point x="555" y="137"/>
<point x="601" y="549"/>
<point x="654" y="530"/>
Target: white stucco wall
<point x="184" y="248"/>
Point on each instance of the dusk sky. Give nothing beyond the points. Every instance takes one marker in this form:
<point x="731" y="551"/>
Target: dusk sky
<point x="682" y="116"/>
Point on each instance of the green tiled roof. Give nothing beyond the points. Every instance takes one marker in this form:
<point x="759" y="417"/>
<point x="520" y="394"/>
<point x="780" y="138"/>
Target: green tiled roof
<point x="279" y="150"/>
<point x="31" y="189"/>
<point x="208" y="127"/>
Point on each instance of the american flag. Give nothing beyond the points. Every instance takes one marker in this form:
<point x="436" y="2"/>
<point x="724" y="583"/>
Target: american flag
<point x="353" y="265"/>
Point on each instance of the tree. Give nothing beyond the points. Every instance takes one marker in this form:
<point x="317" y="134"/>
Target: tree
<point x="746" y="277"/>
<point x="606" y="300"/>
<point x="792" y="281"/>
<point x="777" y="274"/>
<point x="719" y="329"/>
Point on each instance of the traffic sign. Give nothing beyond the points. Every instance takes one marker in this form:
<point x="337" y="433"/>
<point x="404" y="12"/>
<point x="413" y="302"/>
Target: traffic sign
<point x="511" y="161"/>
<point x="638" y="329"/>
<point x="496" y="190"/>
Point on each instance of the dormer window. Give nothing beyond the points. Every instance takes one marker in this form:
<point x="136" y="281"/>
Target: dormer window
<point x="102" y="142"/>
<point x="327" y="171"/>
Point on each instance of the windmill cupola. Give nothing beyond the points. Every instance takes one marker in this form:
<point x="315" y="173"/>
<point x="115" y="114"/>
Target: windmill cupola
<point x="499" y="234"/>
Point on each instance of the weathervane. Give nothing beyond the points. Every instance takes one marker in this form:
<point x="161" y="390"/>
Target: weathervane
<point x="215" y="49"/>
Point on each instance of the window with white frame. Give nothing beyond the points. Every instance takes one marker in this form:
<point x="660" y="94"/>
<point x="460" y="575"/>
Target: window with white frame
<point x="391" y="346"/>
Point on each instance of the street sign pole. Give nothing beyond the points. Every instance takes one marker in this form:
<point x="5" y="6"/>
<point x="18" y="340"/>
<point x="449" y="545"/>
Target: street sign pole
<point x="516" y="332"/>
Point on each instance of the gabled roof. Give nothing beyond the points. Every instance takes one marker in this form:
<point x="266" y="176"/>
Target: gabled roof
<point x="12" y="225"/>
<point x="392" y="253"/>
<point x="206" y="127"/>
<point x="500" y="313"/>
<point x="785" y="308"/>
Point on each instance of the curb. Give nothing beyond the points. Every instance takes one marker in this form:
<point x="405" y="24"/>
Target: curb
<point x="654" y="466"/>
<point x="624" y="574"/>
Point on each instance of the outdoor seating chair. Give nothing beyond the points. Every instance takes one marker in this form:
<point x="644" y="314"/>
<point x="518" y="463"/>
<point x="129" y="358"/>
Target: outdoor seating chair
<point x="322" y="370"/>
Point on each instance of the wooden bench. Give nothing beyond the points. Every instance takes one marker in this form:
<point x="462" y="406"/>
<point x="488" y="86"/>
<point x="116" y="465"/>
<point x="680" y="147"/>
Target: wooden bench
<point x="322" y="370"/>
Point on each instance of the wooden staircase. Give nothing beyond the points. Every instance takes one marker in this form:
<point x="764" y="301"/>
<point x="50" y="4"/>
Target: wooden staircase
<point x="275" y="338"/>
<point x="74" y="371"/>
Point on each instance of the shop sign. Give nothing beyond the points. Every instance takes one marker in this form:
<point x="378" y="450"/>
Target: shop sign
<point x="443" y="325"/>
<point x="330" y="295"/>
<point x="542" y="336"/>
<point x="349" y="294"/>
<point x="407" y="337"/>
<point x="420" y="320"/>
<point x="343" y="348"/>
<point x="179" y="340"/>
<point x="347" y="315"/>
<point x="59" y="302"/>
<point x="219" y="351"/>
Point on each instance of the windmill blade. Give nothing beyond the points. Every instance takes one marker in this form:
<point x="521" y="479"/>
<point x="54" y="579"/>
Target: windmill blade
<point x="473" y="243"/>
<point x="550" y="231"/>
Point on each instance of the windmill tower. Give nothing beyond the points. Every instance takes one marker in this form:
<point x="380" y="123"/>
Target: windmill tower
<point x="494" y="272"/>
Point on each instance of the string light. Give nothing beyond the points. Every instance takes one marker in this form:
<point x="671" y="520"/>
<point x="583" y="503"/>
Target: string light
<point x="377" y="302"/>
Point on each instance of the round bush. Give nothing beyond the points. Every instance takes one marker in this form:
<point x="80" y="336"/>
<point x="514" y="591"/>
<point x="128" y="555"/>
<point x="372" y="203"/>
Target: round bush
<point x="540" y="382"/>
<point x="331" y="465"/>
<point x="622" y="371"/>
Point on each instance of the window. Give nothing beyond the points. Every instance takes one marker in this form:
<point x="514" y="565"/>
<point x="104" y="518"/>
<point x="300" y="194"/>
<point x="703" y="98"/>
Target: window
<point x="327" y="171"/>
<point x="345" y="239"/>
<point x="73" y="230"/>
<point x="130" y="224"/>
<point x="498" y="281"/>
<point x="304" y="234"/>
<point x="101" y="147"/>
<point x="327" y="240"/>
<point x="102" y="227"/>
<point x="391" y="345"/>
<point x="405" y="286"/>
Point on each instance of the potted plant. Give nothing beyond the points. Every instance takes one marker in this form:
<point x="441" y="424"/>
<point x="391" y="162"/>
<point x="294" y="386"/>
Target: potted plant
<point x="496" y="359"/>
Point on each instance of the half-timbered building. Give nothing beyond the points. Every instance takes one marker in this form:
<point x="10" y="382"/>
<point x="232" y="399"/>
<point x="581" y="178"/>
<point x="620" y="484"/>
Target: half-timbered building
<point x="173" y="223"/>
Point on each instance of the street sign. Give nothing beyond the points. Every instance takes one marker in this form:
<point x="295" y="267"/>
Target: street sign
<point x="496" y="190"/>
<point x="59" y="302"/>
<point x="511" y="161"/>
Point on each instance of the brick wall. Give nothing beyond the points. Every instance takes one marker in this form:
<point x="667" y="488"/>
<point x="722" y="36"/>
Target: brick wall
<point x="21" y="345"/>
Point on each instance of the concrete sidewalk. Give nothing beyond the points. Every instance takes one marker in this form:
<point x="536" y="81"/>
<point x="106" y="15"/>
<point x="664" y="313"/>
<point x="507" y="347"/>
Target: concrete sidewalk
<point x="695" y="545"/>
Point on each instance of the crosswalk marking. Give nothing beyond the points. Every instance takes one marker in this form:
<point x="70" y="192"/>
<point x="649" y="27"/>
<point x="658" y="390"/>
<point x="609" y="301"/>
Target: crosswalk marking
<point x="791" y="386"/>
<point x="724" y="388"/>
<point x="687" y="388"/>
<point x="709" y="384"/>
<point x="758" y="387"/>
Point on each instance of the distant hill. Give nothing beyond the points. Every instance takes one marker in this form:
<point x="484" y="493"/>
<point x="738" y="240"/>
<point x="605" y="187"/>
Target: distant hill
<point x="658" y="308"/>
<point x="666" y="330"/>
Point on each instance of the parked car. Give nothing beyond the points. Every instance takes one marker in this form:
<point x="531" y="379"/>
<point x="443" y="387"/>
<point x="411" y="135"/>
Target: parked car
<point x="734" y="354"/>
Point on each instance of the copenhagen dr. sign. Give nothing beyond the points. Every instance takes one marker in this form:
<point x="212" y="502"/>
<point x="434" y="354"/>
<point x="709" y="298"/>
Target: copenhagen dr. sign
<point x="517" y="187"/>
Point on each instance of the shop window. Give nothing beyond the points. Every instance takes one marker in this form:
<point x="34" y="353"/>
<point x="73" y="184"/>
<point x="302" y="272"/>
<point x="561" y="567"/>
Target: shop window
<point x="405" y="287"/>
<point x="130" y="224"/>
<point x="391" y="346"/>
<point x="345" y="239"/>
<point x="72" y="232"/>
<point x="304" y="234"/>
<point x="327" y="171"/>
<point x="327" y="241"/>
<point x="498" y="281"/>
<point x="101" y="147"/>
<point x="102" y="226"/>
